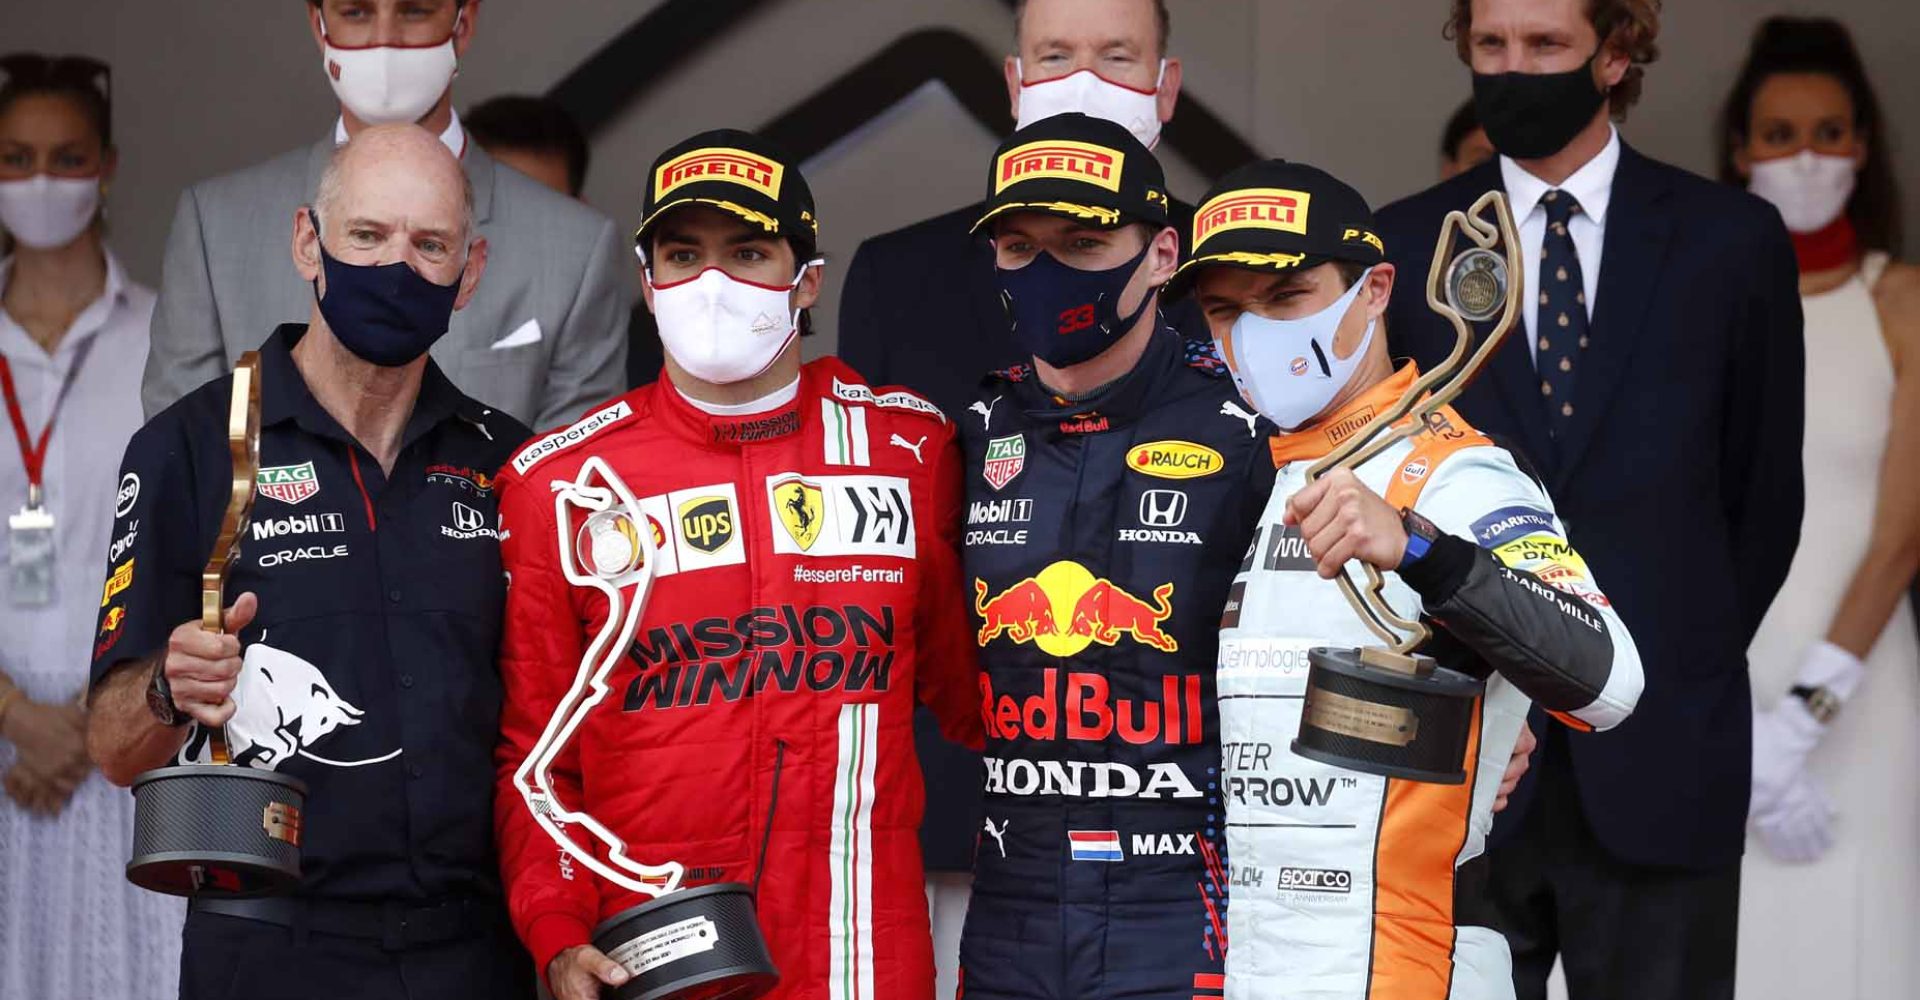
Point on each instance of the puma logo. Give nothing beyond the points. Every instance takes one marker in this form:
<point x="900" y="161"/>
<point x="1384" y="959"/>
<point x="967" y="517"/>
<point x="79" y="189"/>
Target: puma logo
<point x="1232" y="409"/>
<point x="999" y="836"/>
<point x="912" y="446"/>
<point x="986" y="412"/>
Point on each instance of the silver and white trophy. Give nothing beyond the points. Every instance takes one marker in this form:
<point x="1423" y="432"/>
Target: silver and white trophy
<point x="682" y="944"/>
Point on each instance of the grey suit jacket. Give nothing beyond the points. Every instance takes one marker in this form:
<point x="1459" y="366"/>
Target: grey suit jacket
<point x="229" y="280"/>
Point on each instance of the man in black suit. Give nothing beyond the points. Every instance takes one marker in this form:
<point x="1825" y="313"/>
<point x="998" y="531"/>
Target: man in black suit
<point x="1657" y="389"/>
<point x="921" y="308"/>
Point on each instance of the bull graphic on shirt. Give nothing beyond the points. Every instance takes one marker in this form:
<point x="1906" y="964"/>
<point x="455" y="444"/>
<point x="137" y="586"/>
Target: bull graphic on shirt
<point x="284" y="707"/>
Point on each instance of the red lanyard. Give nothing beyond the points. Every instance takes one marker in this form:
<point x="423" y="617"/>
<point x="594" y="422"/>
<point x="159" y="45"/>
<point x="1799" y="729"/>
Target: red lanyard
<point x="31" y="453"/>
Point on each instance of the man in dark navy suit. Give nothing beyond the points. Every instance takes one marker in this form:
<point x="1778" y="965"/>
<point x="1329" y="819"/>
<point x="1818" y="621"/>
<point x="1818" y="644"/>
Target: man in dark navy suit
<point x="921" y="309"/>
<point x="1656" y="388"/>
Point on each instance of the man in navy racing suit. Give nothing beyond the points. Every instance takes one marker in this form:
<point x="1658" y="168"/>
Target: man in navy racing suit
<point x="1112" y="486"/>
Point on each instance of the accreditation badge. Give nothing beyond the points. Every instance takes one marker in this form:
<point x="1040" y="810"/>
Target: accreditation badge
<point x="30" y="558"/>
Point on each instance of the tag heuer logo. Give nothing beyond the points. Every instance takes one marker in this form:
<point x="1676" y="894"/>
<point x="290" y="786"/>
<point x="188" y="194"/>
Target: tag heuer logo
<point x="801" y="513"/>
<point x="1006" y="456"/>
<point x="288" y="483"/>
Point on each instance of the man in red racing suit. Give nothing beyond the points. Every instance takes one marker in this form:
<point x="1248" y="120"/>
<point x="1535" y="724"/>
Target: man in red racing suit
<point x="760" y="728"/>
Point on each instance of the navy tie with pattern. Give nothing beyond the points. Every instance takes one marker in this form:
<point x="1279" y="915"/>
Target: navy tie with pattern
<point x="1562" y="316"/>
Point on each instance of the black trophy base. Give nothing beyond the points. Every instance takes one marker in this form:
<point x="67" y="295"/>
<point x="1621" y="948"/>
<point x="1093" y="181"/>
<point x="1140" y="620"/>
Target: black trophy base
<point x="694" y="944"/>
<point x="218" y="832"/>
<point x="1413" y="720"/>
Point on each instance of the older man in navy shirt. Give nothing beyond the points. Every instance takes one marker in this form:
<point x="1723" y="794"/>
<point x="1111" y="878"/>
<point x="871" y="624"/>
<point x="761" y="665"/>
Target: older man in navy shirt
<point x="366" y="608"/>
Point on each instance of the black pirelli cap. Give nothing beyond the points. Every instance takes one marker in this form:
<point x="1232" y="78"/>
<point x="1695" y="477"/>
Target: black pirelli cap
<point x="1078" y="167"/>
<point x="1273" y="215"/>
<point x="736" y="172"/>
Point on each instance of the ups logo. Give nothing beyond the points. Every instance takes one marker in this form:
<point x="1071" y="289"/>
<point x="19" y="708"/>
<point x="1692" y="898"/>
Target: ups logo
<point x="706" y="523"/>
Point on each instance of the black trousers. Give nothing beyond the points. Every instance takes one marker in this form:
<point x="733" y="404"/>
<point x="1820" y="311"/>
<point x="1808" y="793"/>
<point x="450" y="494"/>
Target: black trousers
<point x="229" y="958"/>
<point x="1623" y="931"/>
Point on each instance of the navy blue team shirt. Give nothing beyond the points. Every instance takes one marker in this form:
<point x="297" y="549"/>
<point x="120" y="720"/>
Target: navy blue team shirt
<point x="388" y="588"/>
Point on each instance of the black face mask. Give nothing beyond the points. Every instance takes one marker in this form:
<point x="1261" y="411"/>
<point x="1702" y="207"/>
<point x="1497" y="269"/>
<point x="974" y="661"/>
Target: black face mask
<point x="1534" y="115"/>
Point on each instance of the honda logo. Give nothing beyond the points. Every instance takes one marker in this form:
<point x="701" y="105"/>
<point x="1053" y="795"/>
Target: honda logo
<point x="466" y="518"/>
<point x="1163" y="508"/>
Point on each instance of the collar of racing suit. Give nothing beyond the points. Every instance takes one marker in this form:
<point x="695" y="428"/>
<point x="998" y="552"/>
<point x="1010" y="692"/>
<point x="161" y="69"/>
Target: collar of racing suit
<point x="731" y="432"/>
<point x="1119" y="403"/>
<point x="1323" y="435"/>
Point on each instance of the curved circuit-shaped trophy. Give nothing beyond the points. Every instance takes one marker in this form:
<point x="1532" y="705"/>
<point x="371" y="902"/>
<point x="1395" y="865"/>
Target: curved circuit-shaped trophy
<point x="214" y="829"/>
<point x="682" y="944"/>
<point x="1387" y="710"/>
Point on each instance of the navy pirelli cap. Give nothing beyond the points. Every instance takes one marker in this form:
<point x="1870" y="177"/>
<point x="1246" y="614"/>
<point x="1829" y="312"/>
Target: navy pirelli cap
<point x="1078" y="167"/>
<point x="1273" y="215"/>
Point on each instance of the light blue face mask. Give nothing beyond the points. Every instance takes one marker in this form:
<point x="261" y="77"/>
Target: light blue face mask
<point x="1286" y="367"/>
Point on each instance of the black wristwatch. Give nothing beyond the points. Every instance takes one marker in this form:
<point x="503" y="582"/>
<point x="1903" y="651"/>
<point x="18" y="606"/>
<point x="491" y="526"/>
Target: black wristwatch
<point x="1822" y="704"/>
<point x="1420" y="536"/>
<point x="160" y="698"/>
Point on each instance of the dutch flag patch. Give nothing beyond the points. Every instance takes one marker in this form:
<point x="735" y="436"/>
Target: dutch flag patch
<point x="1095" y="845"/>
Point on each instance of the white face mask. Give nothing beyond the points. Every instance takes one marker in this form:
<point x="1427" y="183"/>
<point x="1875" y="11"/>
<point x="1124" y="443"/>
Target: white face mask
<point x="724" y="330"/>
<point x="45" y="212"/>
<point x="389" y="84"/>
<point x="1810" y="189"/>
<point x="1091" y="94"/>
<point x="1286" y="368"/>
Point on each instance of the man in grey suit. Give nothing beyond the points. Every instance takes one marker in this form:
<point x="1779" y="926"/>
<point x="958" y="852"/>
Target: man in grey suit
<point x="543" y="340"/>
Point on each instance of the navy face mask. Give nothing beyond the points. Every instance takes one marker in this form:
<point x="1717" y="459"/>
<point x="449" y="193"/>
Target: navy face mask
<point x="386" y="314"/>
<point x="1063" y="315"/>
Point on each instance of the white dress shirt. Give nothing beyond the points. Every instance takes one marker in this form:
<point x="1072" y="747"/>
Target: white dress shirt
<point x="48" y="650"/>
<point x="1592" y="187"/>
<point x="454" y="137"/>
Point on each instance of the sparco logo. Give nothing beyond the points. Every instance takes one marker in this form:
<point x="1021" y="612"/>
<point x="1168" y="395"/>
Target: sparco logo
<point x="848" y="648"/>
<point x="1000" y="511"/>
<point x="1091" y="779"/>
<point x="303" y="524"/>
<point x="1331" y="880"/>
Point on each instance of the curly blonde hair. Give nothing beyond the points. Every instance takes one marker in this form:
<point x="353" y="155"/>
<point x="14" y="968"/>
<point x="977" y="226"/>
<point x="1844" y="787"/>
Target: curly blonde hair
<point x="1626" y="26"/>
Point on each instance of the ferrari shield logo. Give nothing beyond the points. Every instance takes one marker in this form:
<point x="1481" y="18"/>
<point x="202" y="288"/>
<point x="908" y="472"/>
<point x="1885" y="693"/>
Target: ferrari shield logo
<point x="798" y="504"/>
<point x="288" y="483"/>
<point x="1006" y="456"/>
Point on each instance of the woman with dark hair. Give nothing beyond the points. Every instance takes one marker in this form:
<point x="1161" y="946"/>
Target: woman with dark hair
<point x="1831" y="908"/>
<point x="73" y="341"/>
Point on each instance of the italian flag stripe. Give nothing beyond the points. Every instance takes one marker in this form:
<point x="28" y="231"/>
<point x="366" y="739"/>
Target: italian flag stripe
<point x="844" y="429"/>
<point x="850" y="857"/>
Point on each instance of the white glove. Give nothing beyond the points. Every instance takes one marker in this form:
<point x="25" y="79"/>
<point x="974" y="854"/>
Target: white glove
<point x="1782" y="738"/>
<point x="1798" y="827"/>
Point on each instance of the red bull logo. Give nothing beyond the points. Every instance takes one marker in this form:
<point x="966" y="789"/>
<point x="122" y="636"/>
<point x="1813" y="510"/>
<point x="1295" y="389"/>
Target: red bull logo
<point x="1063" y="609"/>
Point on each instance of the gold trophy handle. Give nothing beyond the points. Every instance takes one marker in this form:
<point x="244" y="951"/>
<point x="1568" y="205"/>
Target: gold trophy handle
<point x="243" y="444"/>
<point x="1486" y="225"/>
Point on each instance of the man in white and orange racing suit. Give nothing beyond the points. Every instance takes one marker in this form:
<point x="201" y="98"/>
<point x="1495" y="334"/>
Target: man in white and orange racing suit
<point x="1343" y="885"/>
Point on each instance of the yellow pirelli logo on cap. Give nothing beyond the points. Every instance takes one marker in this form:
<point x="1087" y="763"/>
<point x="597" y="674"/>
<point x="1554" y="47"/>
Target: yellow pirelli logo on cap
<point x="717" y="163"/>
<point x="1253" y="208"/>
<point x="1062" y="159"/>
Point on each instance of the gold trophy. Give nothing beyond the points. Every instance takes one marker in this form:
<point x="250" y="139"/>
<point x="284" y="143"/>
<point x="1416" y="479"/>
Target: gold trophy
<point x="214" y="829"/>
<point x="1388" y="710"/>
<point x="682" y="944"/>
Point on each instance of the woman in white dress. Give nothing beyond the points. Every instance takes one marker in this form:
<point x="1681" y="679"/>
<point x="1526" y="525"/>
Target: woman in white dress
<point x="1830" y="903"/>
<point x="73" y="341"/>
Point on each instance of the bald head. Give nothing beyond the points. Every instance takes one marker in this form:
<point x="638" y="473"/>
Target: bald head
<point x="402" y="171"/>
<point x="393" y="194"/>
